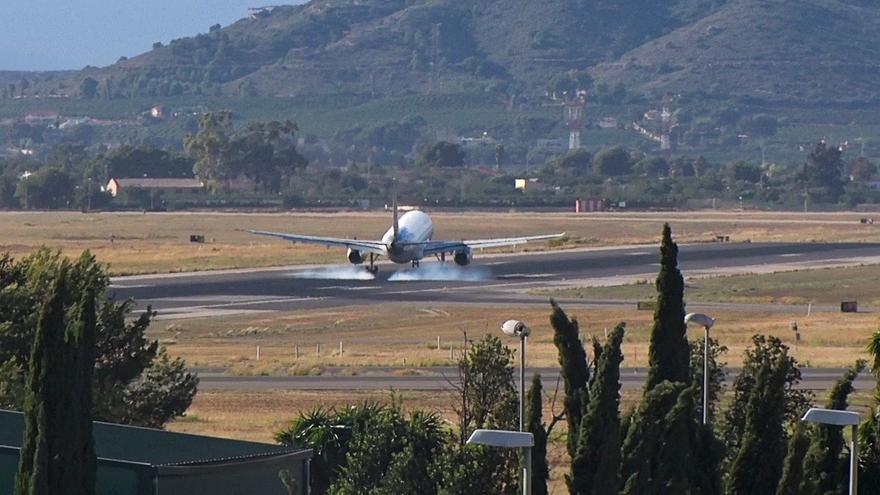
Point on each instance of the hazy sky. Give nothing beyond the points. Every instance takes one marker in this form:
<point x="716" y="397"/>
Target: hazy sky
<point x="70" y="34"/>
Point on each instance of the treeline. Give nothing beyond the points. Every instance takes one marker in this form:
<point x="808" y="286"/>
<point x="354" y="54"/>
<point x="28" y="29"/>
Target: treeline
<point x="270" y="164"/>
<point x="755" y="443"/>
<point x="824" y="178"/>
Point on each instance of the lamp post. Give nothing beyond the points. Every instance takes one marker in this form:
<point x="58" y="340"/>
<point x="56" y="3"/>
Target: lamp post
<point x="841" y="418"/>
<point x="516" y="328"/>
<point x="509" y="440"/>
<point x="24" y="177"/>
<point x="706" y="322"/>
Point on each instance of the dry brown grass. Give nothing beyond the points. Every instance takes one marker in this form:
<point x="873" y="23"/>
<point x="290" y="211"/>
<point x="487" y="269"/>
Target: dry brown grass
<point x="159" y="242"/>
<point x="397" y="334"/>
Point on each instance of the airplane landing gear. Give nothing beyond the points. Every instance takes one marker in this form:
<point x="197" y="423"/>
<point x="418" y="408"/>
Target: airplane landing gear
<point x="373" y="268"/>
<point x="415" y="263"/>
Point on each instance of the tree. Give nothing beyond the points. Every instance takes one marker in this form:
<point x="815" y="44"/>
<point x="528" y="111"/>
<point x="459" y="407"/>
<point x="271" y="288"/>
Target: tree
<point x="88" y="88"/>
<point x="757" y="465"/>
<point x="57" y="454"/>
<point x="655" y="166"/>
<point x="486" y="399"/>
<point x="793" y="467"/>
<point x="716" y="372"/>
<point x="211" y="149"/>
<point x="823" y="172"/>
<point x="761" y="125"/>
<point x="828" y="471"/>
<point x="574" y="371"/>
<point x="669" y="353"/>
<point x="499" y="156"/>
<point x="740" y="170"/>
<point x="574" y="162"/>
<point x="764" y="350"/>
<point x="535" y="425"/>
<point x="862" y="170"/>
<point x="369" y="448"/>
<point x="134" y="382"/>
<point x="644" y="449"/>
<point x="596" y="464"/>
<point x="612" y="162"/>
<point x="442" y="154"/>
<point x="47" y="188"/>
<point x="267" y="153"/>
<point x="140" y="161"/>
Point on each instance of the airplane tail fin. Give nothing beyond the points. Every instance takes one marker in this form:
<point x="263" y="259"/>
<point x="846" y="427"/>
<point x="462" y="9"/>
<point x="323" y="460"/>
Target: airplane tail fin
<point x="395" y="223"/>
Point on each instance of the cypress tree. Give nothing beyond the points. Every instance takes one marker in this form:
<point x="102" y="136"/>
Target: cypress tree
<point x="535" y="425"/>
<point x="57" y="453"/>
<point x="669" y="354"/>
<point x="596" y="465"/>
<point x="793" y="469"/>
<point x="574" y="371"/>
<point x="757" y="467"/>
<point x="41" y="400"/>
<point x="641" y="454"/>
<point x="829" y="472"/>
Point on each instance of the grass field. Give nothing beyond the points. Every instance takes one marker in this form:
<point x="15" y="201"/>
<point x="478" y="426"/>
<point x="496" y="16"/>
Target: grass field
<point x="820" y="286"/>
<point x="159" y="242"/>
<point x="397" y="335"/>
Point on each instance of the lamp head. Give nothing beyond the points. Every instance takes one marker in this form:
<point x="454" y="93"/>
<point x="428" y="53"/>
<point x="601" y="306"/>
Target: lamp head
<point x="699" y="319"/>
<point x="515" y="328"/>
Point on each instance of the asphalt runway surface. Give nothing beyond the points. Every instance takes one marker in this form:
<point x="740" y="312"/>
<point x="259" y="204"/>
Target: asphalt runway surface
<point x="489" y="280"/>
<point x="445" y="378"/>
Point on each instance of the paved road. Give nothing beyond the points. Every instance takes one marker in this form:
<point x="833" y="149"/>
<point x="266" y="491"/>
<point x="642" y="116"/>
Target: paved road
<point x="490" y="280"/>
<point x="443" y="379"/>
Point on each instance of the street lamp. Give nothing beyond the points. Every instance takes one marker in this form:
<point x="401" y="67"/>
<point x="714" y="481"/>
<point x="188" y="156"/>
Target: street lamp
<point x="841" y="418"/>
<point x="509" y="440"/>
<point x="516" y="328"/>
<point x="706" y="322"/>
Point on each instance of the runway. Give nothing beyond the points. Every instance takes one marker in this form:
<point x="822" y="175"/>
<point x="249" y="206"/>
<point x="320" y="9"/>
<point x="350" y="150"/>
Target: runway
<point x="489" y="280"/>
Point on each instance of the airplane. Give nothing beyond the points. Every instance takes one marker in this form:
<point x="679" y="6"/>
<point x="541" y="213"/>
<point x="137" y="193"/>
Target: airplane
<point x="407" y="241"/>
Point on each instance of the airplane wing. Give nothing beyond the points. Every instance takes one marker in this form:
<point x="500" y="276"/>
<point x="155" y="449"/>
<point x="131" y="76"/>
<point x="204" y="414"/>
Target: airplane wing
<point x="435" y="247"/>
<point x="375" y="247"/>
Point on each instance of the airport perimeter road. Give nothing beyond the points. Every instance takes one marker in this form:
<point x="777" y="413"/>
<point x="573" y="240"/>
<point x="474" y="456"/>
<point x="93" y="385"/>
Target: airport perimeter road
<point x="443" y="378"/>
<point x="490" y="280"/>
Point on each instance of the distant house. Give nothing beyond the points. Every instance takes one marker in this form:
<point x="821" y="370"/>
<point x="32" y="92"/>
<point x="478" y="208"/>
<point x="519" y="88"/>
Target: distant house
<point x="116" y="186"/>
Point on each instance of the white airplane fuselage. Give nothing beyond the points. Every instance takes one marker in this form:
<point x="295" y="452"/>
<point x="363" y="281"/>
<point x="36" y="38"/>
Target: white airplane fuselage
<point x="415" y="228"/>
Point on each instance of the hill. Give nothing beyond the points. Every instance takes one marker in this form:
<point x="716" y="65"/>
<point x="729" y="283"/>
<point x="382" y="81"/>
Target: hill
<point x="795" y="51"/>
<point x="396" y="47"/>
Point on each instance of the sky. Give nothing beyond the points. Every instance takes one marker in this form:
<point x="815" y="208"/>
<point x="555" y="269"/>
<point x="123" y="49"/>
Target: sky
<point x="71" y="34"/>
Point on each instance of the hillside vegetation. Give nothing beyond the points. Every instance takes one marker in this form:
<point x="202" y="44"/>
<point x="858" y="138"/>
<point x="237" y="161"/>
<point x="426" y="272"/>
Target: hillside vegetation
<point x="793" y="50"/>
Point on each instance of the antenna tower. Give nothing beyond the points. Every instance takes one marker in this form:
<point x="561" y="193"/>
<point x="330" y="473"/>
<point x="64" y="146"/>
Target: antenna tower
<point x="574" y="118"/>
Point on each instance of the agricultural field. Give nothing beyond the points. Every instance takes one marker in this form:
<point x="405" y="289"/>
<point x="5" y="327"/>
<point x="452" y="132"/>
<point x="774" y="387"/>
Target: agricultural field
<point x="136" y="243"/>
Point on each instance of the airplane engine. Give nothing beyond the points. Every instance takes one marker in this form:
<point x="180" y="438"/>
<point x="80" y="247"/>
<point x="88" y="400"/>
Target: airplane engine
<point x="355" y="257"/>
<point x="463" y="258"/>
